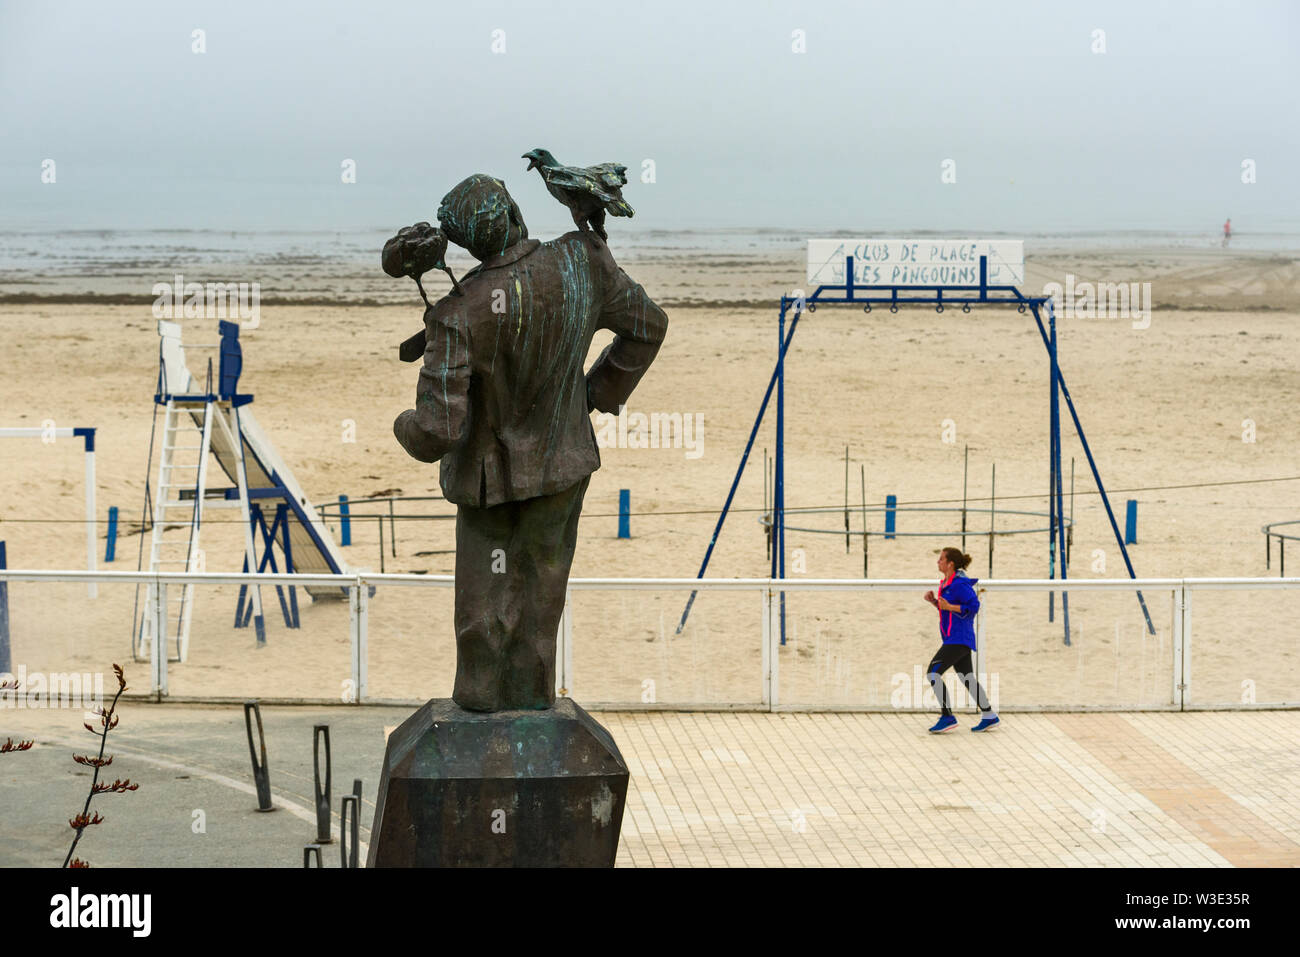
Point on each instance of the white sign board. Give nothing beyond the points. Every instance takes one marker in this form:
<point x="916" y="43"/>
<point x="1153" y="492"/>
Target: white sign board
<point x="916" y="262"/>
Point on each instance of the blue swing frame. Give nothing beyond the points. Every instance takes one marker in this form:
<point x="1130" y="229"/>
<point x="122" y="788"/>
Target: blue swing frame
<point x="939" y="296"/>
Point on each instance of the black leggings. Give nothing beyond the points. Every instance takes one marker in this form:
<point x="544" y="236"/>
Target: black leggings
<point x="958" y="658"/>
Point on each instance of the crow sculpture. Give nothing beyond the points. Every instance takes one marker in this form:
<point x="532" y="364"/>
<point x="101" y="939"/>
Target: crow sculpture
<point x="589" y="192"/>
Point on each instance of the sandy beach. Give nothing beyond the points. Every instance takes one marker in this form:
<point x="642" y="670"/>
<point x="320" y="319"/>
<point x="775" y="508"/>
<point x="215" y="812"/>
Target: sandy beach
<point x="1165" y="405"/>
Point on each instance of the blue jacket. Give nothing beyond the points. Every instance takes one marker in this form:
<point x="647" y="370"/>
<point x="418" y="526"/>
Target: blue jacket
<point x="958" y="628"/>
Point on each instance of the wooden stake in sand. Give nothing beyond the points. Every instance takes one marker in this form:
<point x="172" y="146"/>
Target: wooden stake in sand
<point x="965" y="469"/>
<point x="993" y="504"/>
<point x="1069" y="532"/>
<point x="767" y="477"/>
<point x="864" y="520"/>
<point x="846" y="500"/>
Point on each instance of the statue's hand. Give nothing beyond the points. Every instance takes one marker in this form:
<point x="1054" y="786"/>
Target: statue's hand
<point x="412" y="438"/>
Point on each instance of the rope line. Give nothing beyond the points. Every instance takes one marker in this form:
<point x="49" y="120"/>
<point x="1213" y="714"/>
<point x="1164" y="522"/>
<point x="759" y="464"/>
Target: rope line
<point x="700" y="511"/>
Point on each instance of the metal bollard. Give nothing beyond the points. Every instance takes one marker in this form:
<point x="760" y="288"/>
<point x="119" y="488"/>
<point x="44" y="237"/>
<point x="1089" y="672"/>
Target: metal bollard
<point x="307" y="851"/>
<point x="356" y="788"/>
<point x="261" y="777"/>
<point x="110" y="545"/>
<point x="322" y="794"/>
<point x="349" y="831"/>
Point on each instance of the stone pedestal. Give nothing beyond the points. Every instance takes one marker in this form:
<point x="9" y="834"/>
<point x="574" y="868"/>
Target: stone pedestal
<point x="499" y="789"/>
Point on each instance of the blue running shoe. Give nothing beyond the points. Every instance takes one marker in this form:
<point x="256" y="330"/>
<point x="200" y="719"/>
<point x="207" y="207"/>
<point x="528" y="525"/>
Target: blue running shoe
<point x="987" y="724"/>
<point x="946" y="723"/>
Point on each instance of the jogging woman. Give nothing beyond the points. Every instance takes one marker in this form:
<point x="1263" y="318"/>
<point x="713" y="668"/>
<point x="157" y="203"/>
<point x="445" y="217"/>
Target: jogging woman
<point x="957" y="604"/>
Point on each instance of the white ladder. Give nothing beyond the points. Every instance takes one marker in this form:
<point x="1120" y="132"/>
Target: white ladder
<point x="177" y="521"/>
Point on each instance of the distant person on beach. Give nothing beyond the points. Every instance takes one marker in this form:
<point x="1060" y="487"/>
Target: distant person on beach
<point x="957" y="604"/>
<point x="1227" y="231"/>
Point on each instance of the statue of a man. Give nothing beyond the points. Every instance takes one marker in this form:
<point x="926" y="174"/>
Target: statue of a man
<point x="504" y="402"/>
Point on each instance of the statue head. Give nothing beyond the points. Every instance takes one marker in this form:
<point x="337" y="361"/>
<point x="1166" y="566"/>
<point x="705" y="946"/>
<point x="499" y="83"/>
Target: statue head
<point x="481" y="215"/>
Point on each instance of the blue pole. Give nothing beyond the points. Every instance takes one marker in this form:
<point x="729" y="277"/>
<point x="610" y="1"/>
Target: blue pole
<point x="345" y="522"/>
<point x="1096" y="475"/>
<point x="624" y="513"/>
<point x="1053" y="436"/>
<point x="1131" y="522"/>
<point x="735" y="482"/>
<point x="5" y="665"/>
<point x="1058" y="496"/>
<point x="891" y="514"/>
<point x="1053" y="432"/>
<point x="778" y="512"/>
<point x="287" y="548"/>
<point x="110" y="548"/>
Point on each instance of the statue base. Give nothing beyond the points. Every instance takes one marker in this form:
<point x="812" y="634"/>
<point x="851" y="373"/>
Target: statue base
<point x="499" y="789"/>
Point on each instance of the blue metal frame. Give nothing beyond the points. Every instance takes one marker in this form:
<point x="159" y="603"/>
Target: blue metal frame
<point x="289" y="609"/>
<point x="1092" y="463"/>
<point x="939" y="296"/>
<point x="230" y="365"/>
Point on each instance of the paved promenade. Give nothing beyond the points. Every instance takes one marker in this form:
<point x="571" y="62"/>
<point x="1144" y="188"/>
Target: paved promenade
<point x="713" y="790"/>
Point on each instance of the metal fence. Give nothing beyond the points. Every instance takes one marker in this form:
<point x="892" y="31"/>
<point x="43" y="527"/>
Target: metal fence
<point x="850" y="644"/>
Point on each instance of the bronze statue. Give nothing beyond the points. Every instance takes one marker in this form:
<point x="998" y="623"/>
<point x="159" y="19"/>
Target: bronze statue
<point x="504" y="403"/>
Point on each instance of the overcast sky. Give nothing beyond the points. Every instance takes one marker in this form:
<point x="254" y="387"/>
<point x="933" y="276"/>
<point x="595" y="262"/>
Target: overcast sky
<point x="1043" y="132"/>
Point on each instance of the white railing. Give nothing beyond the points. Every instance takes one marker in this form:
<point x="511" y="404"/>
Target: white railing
<point x="766" y="592"/>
